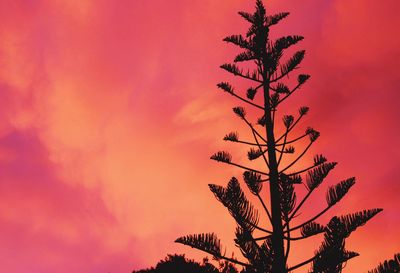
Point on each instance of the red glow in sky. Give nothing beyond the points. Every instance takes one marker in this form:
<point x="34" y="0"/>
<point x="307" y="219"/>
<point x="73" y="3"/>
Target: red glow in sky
<point x="109" y="113"/>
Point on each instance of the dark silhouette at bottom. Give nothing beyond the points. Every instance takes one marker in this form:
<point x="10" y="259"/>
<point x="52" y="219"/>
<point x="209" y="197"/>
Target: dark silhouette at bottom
<point x="180" y="264"/>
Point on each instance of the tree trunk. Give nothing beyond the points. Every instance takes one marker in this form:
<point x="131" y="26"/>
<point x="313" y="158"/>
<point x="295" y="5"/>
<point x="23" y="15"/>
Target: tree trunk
<point x="279" y="264"/>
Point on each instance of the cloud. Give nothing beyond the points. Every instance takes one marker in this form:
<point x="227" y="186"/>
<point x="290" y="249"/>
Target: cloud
<point x="110" y="112"/>
<point x="47" y="224"/>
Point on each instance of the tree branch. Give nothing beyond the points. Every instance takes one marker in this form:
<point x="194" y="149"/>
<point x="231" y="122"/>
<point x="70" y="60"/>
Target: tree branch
<point x="283" y="147"/>
<point x="290" y="93"/>
<point x="299" y="206"/>
<point x="254" y="130"/>
<point x="297" y="159"/>
<point x="303" y="263"/>
<point x="250" y="143"/>
<point x="245" y="168"/>
<point x="259" y="228"/>
<point x="304" y="170"/>
<point x="247" y="101"/>
<point x="291" y="127"/>
<point x="287" y="238"/>
<point x="265" y="207"/>
<point x="239" y="72"/>
<point x="312" y="219"/>
<point x="293" y="140"/>
<point x="259" y="147"/>
<point x="282" y="76"/>
<point x="302" y="237"/>
<point x="232" y="260"/>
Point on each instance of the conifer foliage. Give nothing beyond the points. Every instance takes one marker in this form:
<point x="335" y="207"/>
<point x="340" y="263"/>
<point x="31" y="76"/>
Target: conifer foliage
<point x="281" y="176"/>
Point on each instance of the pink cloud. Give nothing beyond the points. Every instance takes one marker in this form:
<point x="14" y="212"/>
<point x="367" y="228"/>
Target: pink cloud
<point x="110" y="111"/>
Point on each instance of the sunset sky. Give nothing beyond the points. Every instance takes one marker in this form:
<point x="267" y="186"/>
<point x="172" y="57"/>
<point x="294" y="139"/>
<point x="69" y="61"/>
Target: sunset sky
<point x="109" y="113"/>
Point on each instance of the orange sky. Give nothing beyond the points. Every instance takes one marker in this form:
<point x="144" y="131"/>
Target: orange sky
<point x="109" y="113"/>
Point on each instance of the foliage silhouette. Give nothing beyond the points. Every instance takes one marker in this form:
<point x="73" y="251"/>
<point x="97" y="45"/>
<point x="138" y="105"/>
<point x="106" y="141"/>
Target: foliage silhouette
<point x="268" y="76"/>
<point x="179" y="264"/>
<point x="388" y="266"/>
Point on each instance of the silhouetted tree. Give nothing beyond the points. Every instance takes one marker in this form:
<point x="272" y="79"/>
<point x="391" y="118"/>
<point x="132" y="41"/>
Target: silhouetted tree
<point x="180" y="264"/>
<point x="269" y="75"/>
<point x="388" y="266"/>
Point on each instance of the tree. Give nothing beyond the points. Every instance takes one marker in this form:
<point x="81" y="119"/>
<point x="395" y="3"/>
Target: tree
<point x="180" y="264"/>
<point x="269" y="89"/>
<point x="388" y="266"/>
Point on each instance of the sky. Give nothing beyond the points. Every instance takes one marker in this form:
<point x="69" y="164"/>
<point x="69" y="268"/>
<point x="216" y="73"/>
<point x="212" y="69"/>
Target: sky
<point x="110" y="112"/>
